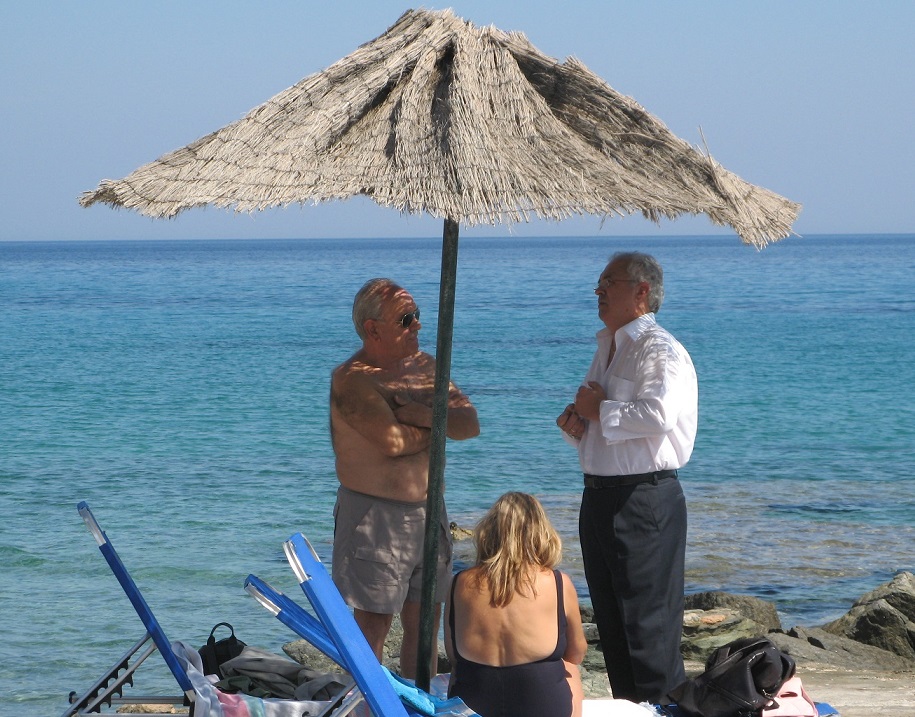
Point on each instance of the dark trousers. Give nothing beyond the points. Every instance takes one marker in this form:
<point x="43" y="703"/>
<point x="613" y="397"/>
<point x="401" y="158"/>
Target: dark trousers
<point x="633" y="542"/>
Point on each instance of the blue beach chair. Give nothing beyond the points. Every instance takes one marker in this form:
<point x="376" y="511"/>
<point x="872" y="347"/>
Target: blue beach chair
<point x="337" y="635"/>
<point x="108" y="690"/>
<point x="197" y="692"/>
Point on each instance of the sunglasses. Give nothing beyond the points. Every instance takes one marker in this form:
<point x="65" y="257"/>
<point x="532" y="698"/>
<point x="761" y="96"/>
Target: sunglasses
<point x="407" y="319"/>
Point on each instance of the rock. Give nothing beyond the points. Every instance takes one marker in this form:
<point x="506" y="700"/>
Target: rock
<point x="594" y="655"/>
<point x="899" y="593"/>
<point x="815" y="645"/>
<point x="753" y="608"/>
<point x="877" y="623"/>
<point x="713" y="619"/>
<point x="458" y="533"/>
<point x="592" y="636"/>
<point x="306" y="654"/>
<point x="594" y="683"/>
<point x="884" y="617"/>
<point x="593" y="669"/>
<point x="704" y="631"/>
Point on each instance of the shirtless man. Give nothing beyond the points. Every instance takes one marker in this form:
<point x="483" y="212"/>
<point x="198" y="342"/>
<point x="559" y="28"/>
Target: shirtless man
<point x="380" y="420"/>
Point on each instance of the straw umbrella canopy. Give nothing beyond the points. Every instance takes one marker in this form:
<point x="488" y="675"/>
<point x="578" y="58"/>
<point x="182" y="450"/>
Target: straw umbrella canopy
<point x="468" y="124"/>
<point x="462" y="122"/>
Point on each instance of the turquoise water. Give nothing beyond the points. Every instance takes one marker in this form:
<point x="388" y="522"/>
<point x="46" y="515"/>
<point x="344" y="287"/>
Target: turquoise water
<point x="180" y="388"/>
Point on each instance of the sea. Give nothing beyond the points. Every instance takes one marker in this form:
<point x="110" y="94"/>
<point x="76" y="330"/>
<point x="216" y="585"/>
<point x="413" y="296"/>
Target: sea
<point x="180" y="388"/>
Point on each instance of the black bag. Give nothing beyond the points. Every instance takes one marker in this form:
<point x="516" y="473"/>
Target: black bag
<point x="215" y="652"/>
<point x="739" y="679"/>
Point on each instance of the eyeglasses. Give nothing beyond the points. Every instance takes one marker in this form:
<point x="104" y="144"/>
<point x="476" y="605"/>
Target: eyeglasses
<point x="607" y="282"/>
<point x="407" y="319"/>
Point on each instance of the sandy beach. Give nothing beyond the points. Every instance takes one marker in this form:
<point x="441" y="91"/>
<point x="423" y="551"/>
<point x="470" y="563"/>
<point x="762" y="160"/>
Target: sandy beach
<point x="861" y="693"/>
<point x="851" y="693"/>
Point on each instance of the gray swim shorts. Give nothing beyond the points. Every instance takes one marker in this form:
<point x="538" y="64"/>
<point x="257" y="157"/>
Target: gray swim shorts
<point x="378" y="552"/>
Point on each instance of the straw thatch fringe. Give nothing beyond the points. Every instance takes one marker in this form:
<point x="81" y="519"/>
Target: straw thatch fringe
<point x="473" y="124"/>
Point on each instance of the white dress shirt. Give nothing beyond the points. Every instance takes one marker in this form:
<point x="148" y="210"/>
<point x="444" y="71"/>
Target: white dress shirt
<point x="648" y="421"/>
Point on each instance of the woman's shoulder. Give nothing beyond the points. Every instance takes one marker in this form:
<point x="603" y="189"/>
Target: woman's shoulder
<point x="469" y="578"/>
<point x="566" y="580"/>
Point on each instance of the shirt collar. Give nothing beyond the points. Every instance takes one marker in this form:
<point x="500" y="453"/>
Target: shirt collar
<point x="632" y="330"/>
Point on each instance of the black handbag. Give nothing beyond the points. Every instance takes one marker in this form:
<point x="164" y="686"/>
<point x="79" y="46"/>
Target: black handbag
<point x="215" y="652"/>
<point x="740" y="678"/>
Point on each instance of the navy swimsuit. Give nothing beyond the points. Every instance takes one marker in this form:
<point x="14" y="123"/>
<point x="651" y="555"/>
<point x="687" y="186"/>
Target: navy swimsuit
<point x="534" y="689"/>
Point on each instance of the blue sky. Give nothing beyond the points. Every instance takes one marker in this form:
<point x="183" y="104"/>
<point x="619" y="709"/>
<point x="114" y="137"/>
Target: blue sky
<point x="813" y="100"/>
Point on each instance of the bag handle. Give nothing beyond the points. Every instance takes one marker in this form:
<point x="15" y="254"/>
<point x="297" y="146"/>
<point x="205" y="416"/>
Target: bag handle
<point x="212" y="637"/>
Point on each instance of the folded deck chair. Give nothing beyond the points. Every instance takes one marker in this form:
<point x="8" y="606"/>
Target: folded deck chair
<point x="183" y="661"/>
<point x="336" y="633"/>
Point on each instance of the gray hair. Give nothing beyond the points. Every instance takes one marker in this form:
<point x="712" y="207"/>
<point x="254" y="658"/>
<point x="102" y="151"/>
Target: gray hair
<point x="644" y="267"/>
<point x="369" y="302"/>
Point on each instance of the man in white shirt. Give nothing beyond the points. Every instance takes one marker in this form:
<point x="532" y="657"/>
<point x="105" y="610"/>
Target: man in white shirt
<point x="634" y="424"/>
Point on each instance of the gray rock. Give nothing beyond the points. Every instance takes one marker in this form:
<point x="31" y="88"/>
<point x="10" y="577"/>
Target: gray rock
<point x="594" y="680"/>
<point x="594" y="683"/>
<point x="713" y="619"/>
<point x="759" y="611"/>
<point x="592" y="636"/>
<point x="815" y="645"/>
<point x="594" y="655"/>
<point x="304" y="653"/>
<point x="877" y="623"/>
<point x="883" y="618"/>
<point x="593" y="669"/>
<point x="704" y="631"/>
<point x="899" y="593"/>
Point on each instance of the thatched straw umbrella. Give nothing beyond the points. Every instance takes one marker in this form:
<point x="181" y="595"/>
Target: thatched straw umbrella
<point x="469" y="124"/>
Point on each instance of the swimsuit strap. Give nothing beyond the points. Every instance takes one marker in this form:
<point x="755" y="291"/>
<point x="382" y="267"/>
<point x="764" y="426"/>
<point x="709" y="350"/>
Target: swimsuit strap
<point x="454" y="580"/>
<point x="561" y="621"/>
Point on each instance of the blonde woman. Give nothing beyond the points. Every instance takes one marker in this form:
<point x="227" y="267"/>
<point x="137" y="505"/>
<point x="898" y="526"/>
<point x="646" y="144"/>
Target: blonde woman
<point x="513" y="630"/>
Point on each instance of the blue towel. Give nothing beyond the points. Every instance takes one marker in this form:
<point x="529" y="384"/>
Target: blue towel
<point x="424" y="703"/>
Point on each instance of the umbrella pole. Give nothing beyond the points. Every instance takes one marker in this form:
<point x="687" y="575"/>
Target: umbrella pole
<point x="437" y="451"/>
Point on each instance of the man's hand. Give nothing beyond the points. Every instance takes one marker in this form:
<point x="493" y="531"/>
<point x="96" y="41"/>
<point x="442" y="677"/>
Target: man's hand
<point x="587" y="400"/>
<point x="412" y="413"/>
<point x="570" y="422"/>
<point x="462" y="422"/>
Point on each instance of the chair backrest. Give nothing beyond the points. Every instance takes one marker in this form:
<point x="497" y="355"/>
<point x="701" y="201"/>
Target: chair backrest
<point x="139" y="603"/>
<point x="341" y="628"/>
<point x="291" y="614"/>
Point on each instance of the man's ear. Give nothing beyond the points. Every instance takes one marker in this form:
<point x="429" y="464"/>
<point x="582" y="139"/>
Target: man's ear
<point x="641" y="294"/>
<point x="370" y="327"/>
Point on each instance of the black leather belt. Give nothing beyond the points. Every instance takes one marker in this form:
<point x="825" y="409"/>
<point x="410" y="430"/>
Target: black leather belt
<point x="592" y="481"/>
